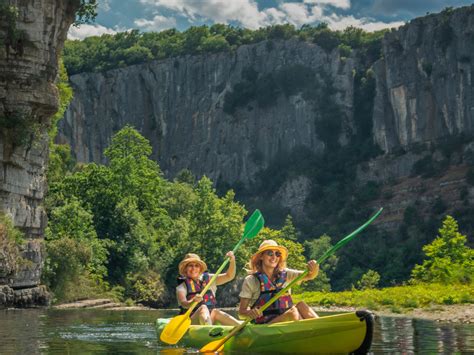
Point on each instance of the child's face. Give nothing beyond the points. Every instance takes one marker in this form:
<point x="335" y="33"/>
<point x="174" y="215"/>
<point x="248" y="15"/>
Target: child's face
<point x="193" y="270"/>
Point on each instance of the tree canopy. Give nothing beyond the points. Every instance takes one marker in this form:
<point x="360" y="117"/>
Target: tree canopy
<point x="99" y="53"/>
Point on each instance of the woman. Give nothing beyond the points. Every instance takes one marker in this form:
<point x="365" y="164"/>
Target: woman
<point x="267" y="276"/>
<point x="193" y="279"/>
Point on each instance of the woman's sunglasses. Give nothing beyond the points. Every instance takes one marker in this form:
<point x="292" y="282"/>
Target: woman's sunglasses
<point x="271" y="253"/>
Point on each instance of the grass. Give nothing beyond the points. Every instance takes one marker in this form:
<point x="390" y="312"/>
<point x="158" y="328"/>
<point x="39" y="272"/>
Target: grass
<point x="395" y="299"/>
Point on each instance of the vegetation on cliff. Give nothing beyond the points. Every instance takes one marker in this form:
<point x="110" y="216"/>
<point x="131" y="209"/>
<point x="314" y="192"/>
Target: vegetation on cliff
<point x="133" y="47"/>
<point x="11" y="241"/>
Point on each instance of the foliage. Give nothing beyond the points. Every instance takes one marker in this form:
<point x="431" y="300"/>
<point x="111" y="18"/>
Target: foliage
<point x="369" y="280"/>
<point x="265" y="88"/>
<point x="11" y="242"/>
<point x="86" y="12"/>
<point x="400" y="297"/>
<point x="448" y="259"/>
<point x="315" y="249"/>
<point x="125" y="226"/>
<point x="74" y="249"/>
<point x="132" y="47"/>
<point x="19" y="128"/>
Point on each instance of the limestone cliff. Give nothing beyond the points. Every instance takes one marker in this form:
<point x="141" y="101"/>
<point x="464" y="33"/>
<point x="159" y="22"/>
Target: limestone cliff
<point x="178" y="105"/>
<point x="423" y="96"/>
<point x="28" y="97"/>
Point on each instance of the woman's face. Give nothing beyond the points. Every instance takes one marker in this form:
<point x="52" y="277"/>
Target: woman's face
<point x="271" y="258"/>
<point x="193" y="270"/>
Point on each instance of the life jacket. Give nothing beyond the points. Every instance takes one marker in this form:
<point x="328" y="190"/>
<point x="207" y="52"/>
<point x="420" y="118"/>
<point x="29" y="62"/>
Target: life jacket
<point x="267" y="290"/>
<point x="194" y="288"/>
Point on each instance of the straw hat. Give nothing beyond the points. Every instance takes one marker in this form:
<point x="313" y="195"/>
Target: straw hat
<point x="191" y="258"/>
<point x="270" y="245"/>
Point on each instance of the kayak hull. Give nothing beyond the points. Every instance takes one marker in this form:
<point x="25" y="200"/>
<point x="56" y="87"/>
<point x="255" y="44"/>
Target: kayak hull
<point x="341" y="333"/>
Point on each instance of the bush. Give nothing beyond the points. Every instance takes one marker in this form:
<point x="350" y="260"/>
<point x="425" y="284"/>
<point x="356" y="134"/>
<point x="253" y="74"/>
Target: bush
<point x="369" y="280"/>
<point x="448" y="258"/>
<point x="11" y="241"/>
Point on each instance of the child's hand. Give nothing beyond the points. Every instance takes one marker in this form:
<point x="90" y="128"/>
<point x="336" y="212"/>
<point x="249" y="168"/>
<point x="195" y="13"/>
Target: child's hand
<point x="197" y="298"/>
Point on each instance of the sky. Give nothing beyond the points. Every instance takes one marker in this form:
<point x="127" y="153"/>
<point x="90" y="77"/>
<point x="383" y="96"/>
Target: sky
<point x="157" y="15"/>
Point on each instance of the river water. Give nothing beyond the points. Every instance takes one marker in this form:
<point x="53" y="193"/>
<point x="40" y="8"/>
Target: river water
<point x="42" y="331"/>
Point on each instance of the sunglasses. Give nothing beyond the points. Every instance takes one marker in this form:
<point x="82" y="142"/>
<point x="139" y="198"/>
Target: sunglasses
<point x="271" y="253"/>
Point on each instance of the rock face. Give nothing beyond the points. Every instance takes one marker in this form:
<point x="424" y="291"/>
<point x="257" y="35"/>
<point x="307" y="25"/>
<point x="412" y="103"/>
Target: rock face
<point x="178" y="105"/>
<point x="28" y="96"/>
<point x="424" y="82"/>
<point x="423" y="95"/>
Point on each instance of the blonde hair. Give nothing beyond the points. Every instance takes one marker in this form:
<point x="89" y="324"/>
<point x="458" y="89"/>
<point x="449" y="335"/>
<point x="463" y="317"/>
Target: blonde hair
<point x="255" y="264"/>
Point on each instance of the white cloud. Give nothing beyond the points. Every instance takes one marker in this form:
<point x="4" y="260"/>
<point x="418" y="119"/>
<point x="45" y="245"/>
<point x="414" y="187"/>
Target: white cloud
<point x="247" y="14"/>
<point x="220" y="11"/>
<point x="87" y="30"/>
<point x="299" y="14"/>
<point x="158" y="23"/>
<point x="341" y="22"/>
<point x="342" y="4"/>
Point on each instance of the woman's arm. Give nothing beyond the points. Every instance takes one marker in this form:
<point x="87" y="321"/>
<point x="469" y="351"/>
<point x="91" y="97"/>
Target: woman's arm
<point x="313" y="268"/>
<point x="245" y="311"/>
<point x="183" y="302"/>
<point x="230" y="274"/>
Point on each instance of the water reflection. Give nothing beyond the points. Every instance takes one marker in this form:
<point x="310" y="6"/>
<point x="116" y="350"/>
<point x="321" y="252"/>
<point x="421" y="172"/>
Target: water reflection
<point x="132" y="332"/>
<point x="408" y="336"/>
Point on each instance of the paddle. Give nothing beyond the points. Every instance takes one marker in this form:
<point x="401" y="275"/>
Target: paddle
<point x="218" y="345"/>
<point x="178" y="326"/>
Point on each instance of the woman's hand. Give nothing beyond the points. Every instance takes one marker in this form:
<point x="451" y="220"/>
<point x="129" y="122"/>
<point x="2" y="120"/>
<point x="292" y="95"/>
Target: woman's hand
<point x="313" y="268"/>
<point x="254" y="313"/>
<point x="230" y="255"/>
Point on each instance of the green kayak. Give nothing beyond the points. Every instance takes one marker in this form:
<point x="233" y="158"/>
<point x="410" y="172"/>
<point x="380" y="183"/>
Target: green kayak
<point x="341" y="333"/>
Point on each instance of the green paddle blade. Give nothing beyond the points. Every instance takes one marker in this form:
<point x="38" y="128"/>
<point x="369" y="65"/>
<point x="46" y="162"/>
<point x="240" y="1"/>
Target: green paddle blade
<point x="179" y="325"/>
<point x="254" y="225"/>
<point x="175" y="329"/>
<point x="348" y="238"/>
<point x="218" y="345"/>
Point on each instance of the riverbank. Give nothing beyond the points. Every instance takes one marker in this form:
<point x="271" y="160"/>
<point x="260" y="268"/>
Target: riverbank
<point x="450" y="303"/>
<point x="462" y="313"/>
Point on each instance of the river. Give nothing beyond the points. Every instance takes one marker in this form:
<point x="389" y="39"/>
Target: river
<point x="47" y="331"/>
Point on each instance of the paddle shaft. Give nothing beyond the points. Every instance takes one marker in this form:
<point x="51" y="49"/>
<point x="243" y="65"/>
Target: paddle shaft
<point x="211" y="281"/>
<point x="264" y="307"/>
<point x="326" y="255"/>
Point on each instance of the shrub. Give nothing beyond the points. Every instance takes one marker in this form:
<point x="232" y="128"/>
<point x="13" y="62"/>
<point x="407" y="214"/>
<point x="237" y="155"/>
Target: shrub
<point x="369" y="280"/>
<point x="449" y="259"/>
<point x="11" y="241"/>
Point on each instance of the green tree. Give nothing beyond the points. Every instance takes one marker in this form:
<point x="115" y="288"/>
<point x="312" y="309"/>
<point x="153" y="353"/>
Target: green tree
<point x="369" y="280"/>
<point x="315" y="249"/>
<point x="448" y="258"/>
<point x="133" y="173"/>
<point x="215" y="224"/>
<point x="73" y="248"/>
<point x="289" y="231"/>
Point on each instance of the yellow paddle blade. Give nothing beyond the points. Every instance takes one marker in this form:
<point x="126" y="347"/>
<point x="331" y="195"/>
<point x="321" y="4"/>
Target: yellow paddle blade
<point x="175" y="329"/>
<point x="211" y="347"/>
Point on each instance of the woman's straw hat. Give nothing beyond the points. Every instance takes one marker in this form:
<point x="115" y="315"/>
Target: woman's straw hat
<point x="270" y="245"/>
<point x="191" y="258"/>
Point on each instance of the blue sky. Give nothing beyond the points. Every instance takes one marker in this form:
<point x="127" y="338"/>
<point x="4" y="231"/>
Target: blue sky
<point x="156" y="15"/>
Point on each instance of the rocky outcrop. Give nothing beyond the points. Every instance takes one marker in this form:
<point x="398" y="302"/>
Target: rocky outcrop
<point x="178" y="104"/>
<point x="28" y="97"/>
<point x="423" y="95"/>
<point x="424" y="81"/>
